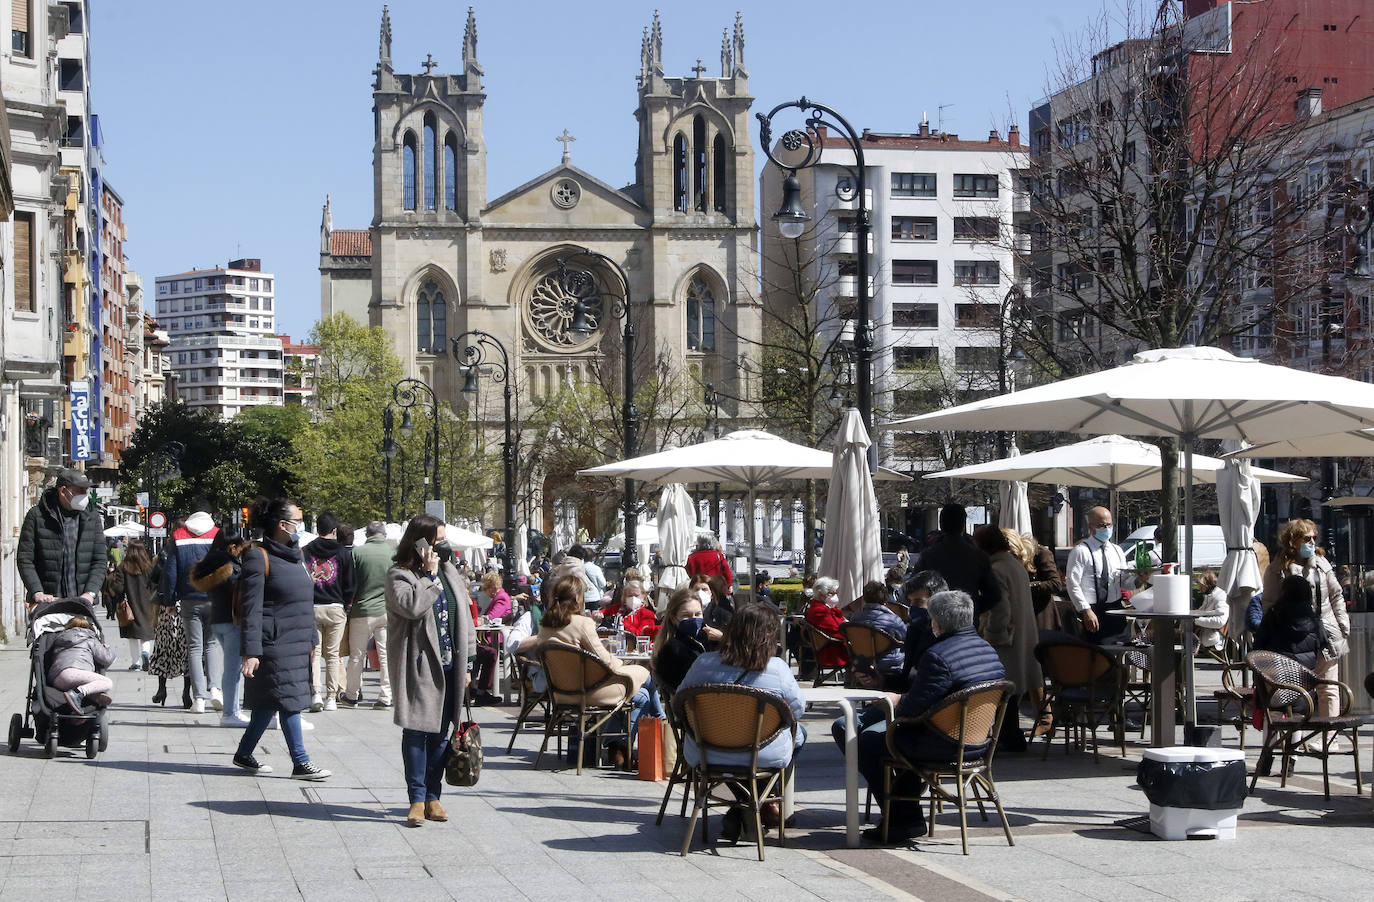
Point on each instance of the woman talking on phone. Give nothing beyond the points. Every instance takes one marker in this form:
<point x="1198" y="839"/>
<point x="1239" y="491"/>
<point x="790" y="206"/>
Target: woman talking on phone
<point x="278" y="636"/>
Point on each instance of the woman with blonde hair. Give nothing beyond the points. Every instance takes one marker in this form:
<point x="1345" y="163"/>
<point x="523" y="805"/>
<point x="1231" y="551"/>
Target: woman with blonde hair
<point x="1298" y="555"/>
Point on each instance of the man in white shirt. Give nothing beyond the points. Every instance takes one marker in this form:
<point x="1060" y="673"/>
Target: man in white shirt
<point x="1094" y="574"/>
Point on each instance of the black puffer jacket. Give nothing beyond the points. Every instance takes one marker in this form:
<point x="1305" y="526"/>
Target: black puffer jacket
<point x="278" y="626"/>
<point x="40" y="549"/>
<point x="215" y="575"/>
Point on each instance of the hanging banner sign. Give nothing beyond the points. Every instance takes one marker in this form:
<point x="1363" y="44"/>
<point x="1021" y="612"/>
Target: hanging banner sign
<point x="82" y="447"/>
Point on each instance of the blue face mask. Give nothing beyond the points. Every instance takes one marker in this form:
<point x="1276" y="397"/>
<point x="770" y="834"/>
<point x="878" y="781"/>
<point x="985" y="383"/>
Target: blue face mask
<point x="691" y="627"/>
<point x="1307" y="550"/>
<point x="1103" y="534"/>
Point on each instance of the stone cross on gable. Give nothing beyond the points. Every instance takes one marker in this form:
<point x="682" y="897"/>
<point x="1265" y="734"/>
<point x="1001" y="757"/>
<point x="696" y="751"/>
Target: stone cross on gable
<point x="567" y="140"/>
<point x="698" y="68"/>
<point x="429" y="64"/>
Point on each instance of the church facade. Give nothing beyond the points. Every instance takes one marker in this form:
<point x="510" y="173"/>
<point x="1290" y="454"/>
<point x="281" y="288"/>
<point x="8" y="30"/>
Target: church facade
<point x="440" y="257"/>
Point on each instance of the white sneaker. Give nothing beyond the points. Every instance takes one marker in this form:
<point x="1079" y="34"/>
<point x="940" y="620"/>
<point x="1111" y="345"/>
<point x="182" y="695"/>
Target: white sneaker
<point x="238" y="719"/>
<point x="217" y="699"/>
<point x="317" y="704"/>
<point x="198" y="706"/>
<point x="331" y="705"/>
<point x="306" y="726"/>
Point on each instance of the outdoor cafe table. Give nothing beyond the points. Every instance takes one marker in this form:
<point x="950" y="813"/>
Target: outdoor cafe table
<point x="844" y="699"/>
<point x="497" y="632"/>
<point x="1163" y="666"/>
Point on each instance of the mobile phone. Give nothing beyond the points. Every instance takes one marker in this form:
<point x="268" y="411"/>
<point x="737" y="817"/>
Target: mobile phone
<point x="421" y="547"/>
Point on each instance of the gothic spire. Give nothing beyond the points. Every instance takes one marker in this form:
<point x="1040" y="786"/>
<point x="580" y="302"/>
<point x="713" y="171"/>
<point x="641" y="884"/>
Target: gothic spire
<point x="656" y="46"/>
<point x="470" y="41"/>
<point x="739" y="45"/>
<point x="726" y="58"/>
<point x="645" y="64"/>
<point x="384" y="44"/>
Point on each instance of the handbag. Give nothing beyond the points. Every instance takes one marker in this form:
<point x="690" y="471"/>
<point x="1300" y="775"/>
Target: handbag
<point x="124" y="613"/>
<point x="464" y="766"/>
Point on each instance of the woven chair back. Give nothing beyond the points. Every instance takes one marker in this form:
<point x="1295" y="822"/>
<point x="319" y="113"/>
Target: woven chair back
<point x="970" y="715"/>
<point x="816" y="637"/>
<point x="867" y="641"/>
<point x="571" y="670"/>
<point x="728" y="717"/>
<point x="1276" y="671"/>
<point x="1073" y="664"/>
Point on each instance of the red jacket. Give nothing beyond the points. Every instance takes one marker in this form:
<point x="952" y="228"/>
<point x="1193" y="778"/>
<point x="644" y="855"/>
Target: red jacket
<point x="827" y="619"/>
<point x="709" y="562"/>
<point x="641" y="622"/>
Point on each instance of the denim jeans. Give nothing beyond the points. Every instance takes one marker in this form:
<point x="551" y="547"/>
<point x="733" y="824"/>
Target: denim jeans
<point x="290" y="730"/>
<point x="206" y="656"/>
<point x="423" y="755"/>
<point x="227" y="634"/>
<point x="645" y="703"/>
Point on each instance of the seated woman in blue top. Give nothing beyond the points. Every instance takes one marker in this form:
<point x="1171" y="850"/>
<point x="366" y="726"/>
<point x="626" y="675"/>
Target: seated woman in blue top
<point x="877" y="614"/>
<point x="746" y="657"/>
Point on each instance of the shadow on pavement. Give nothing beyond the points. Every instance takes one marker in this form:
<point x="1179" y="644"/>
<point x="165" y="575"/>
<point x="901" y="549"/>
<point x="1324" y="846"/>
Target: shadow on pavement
<point x="310" y="811"/>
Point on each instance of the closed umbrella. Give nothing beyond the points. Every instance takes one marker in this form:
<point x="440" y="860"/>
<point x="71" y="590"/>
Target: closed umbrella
<point x="853" y="551"/>
<point x="1238" y="497"/>
<point x="1014" y="513"/>
<point x="677" y="527"/>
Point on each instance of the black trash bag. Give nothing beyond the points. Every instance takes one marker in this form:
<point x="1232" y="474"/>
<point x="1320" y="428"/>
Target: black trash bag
<point x="1209" y="785"/>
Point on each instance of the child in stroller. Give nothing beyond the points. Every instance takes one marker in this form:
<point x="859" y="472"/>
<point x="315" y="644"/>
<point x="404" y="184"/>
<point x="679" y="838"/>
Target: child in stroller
<point x="76" y="655"/>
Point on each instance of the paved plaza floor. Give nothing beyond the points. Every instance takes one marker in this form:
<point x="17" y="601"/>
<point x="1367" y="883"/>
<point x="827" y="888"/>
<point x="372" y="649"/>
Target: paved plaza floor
<point x="163" y="815"/>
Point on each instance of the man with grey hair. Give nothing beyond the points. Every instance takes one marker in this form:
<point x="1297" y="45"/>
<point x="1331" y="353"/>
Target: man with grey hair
<point x="957" y="659"/>
<point x="367" y="615"/>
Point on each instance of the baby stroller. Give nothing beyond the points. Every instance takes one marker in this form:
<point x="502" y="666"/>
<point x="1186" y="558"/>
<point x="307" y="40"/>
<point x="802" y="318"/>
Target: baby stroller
<point x="49" y="717"/>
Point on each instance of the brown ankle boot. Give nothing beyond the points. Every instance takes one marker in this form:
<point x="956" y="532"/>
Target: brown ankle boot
<point x="416" y="817"/>
<point x="435" y="812"/>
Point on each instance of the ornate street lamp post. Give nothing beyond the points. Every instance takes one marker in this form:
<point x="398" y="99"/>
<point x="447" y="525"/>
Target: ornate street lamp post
<point x="473" y="350"/>
<point x="595" y="297"/>
<point x="408" y="393"/>
<point x="389" y="450"/>
<point x="712" y="399"/>
<point x="792" y="218"/>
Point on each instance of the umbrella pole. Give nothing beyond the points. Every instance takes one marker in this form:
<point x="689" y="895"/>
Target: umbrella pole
<point x="749" y="522"/>
<point x="1189" y="712"/>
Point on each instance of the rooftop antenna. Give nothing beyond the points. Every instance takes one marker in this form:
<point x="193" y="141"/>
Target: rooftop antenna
<point x="940" y="124"/>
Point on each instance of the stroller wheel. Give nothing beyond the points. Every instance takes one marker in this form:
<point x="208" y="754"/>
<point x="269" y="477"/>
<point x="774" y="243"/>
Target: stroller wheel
<point x="16" y="731"/>
<point x="50" y="747"/>
<point x="91" y="745"/>
<point x="104" y="732"/>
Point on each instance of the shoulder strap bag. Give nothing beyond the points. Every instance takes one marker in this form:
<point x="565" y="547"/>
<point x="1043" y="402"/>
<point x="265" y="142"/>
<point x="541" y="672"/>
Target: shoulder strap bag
<point x="464" y="765"/>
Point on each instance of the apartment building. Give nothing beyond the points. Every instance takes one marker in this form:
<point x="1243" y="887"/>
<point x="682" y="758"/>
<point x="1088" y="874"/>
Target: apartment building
<point x="221" y="324"/>
<point x="300" y="364"/>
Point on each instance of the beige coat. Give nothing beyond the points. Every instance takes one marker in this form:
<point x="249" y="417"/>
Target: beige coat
<point x="1327" y="598"/>
<point x="412" y="647"/>
<point x="581" y="631"/>
<point x="1010" y="626"/>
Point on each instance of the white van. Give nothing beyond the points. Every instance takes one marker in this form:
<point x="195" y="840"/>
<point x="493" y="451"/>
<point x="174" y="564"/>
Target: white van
<point x="1209" y="545"/>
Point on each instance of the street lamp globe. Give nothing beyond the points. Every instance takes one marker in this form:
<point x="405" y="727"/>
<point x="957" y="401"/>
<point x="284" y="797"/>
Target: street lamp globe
<point x="791" y="216"/>
<point x="407" y="427"/>
<point x="469" y="380"/>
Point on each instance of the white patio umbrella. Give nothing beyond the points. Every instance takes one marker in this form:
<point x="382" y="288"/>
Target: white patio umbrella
<point x="750" y="456"/>
<point x="677" y="534"/>
<point x="1110" y="462"/>
<point x="853" y="550"/>
<point x="1190" y="393"/>
<point x="1359" y="443"/>
<point x="129" y="529"/>
<point x="466" y="539"/>
<point x="1238" y="498"/>
<point x="1014" y="513"/>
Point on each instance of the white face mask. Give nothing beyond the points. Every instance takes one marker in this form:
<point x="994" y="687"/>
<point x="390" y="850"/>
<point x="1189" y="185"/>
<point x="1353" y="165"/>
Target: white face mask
<point x="833" y="600"/>
<point x="80" y="502"/>
<point x="704" y="595"/>
<point x="634" y="602"/>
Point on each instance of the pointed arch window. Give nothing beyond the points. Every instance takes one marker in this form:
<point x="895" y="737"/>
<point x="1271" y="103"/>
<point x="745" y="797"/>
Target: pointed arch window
<point x="450" y="172"/>
<point x="701" y="316"/>
<point x="431" y="163"/>
<point x="699" y="163"/>
<point x="408" y="171"/>
<point x="431" y="318"/>
<point x="719" y="161"/>
<point x="680" y="173"/>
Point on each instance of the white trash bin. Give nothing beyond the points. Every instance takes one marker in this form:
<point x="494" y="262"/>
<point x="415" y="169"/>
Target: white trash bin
<point x="1169" y="822"/>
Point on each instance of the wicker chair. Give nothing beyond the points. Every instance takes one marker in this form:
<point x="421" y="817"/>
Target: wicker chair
<point x="1285" y="692"/>
<point x="971" y="719"/>
<point x="573" y="675"/>
<point x="681" y="772"/>
<point x="865" y="643"/>
<point x="1135" y="687"/>
<point x="1083" y="692"/>
<point x="529" y="698"/>
<point x="723" y="718"/>
<point x="901" y="610"/>
<point x="817" y="642"/>
<point x="1234" y="692"/>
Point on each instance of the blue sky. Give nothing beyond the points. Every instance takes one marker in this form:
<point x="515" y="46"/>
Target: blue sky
<point x="225" y="125"/>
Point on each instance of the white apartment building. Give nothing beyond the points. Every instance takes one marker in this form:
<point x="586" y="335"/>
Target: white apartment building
<point x="942" y="259"/>
<point x="221" y="324"/>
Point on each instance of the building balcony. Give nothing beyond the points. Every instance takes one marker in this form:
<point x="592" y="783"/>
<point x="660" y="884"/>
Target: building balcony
<point x="853" y="202"/>
<point x="848" y="243"/>
<point x="1020" y="202"/>
<point x="848" y="286"/>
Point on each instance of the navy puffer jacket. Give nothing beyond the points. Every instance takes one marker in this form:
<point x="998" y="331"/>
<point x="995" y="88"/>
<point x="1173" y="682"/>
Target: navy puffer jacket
<point x="278" y="626"/>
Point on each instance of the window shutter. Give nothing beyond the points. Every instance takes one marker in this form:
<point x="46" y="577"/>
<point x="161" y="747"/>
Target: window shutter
<point x="19" y="15"/>
<point x="23" y="260"/>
